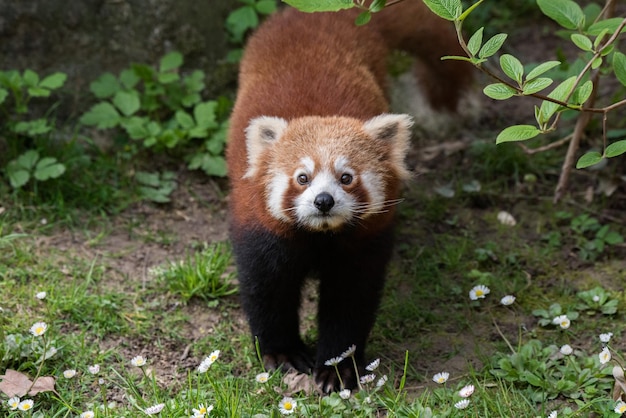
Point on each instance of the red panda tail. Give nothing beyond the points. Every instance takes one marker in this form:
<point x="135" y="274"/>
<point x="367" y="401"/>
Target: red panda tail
<point x="410" y="26"/>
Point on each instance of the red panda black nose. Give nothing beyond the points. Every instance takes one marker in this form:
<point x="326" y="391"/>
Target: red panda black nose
<point x="324" y="202"/>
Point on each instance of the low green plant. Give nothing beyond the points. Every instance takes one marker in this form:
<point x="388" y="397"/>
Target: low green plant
<point x="203" y="274"/>
<point x="554" y="315"/>
<point x="591" y="237"/>
<point x="243" y="19"/>
<point x="156" y="187"/>
<point x="597" y="300"/>
<point x="161" y="109"/>
<point x="25" y="139"/>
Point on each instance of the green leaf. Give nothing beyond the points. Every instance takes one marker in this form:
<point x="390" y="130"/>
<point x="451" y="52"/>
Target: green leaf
<point x="105" y="86"/>
<point x="560" y="92"/>
<point x="499" y="91"/>
<point x="581" y="41"/>
<point x="542" y="68"/>
<point x="582" y="93"/>
<point x="363" y="18"/>
<point x="167" y="78"/>
<point x="615" y="149"/>
<point x="475" y="41"/>
<point x="492" y="46"/>
<point x="48" y="168"/>
<point x="31" y="79"/>
<point x="619" y="67"/>
<point x="266" y="7"/>
<point x="320" y="5"/>
<point x="135" y="127"/>
<point x="3" y="95"/>
<point x="610" y="25"/>
<point x="148" y="179"/>
<point x="204" y="114"/>
<point x="33" y="128"/>
<point x="589" y="159"/>
<point x="512" y="67"/>
<point x="129" y="78"/>
<point x="53" y="81"/>
<point x="596" y="63"/>
<point x="536" y="85"/>
<point x="27" y="160"/>
<point x="18" y="177"/>
<point x="195" y="81"/>
<point x="565" y="12"/>
<point x="446" y="9"/>
<point x="102" y="115"/>
<point x="377" y="6"/>
<point x="184" y="120"/>
<point x="211" y="165"/>
<point x="38" y="92"/>
<point x="240" y="20"/>
<point x="127" y="102"/>
<point x="170" y="61"/>
<point x="517" y="133"/>
<point x="533" y="379"/>
<point x="613" y="238"/>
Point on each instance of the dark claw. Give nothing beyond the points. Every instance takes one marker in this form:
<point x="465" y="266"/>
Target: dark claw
<point x="328" y="381"/>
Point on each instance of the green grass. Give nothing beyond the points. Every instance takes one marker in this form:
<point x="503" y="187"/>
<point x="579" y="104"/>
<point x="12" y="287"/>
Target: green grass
<point x="427" y="324"/>
<point x="177" y="311"/>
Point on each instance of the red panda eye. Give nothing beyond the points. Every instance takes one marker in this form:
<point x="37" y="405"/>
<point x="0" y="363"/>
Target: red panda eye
<point x="302" y="179"/>
<point x="346" y="179"/>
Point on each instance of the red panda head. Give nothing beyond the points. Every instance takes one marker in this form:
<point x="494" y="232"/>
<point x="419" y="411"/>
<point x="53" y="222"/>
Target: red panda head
<point x="322" y="173"/>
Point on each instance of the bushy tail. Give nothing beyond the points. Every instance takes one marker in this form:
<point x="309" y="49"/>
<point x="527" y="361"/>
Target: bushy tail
<point x="410" y="26"/>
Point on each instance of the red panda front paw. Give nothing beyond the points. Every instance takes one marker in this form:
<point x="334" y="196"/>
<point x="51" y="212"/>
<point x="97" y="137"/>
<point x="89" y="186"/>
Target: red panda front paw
<point x="328" y="381"/>
<point x="298" y="360"/>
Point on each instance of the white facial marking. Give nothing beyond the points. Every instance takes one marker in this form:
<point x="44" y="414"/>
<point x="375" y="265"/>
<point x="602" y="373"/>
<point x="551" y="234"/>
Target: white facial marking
<point x="276" y="195"/>
<point x="376" y="191"/>
<point x="309" y="164"/>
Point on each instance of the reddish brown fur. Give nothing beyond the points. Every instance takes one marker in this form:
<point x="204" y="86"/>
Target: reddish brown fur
<point x="339" y="69"/>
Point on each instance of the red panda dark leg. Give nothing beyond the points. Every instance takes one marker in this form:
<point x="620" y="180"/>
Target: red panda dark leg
<point x="271" y="272"/>
<point x="351" y="285"/>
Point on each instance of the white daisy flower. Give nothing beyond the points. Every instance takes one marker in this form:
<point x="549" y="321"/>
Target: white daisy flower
<point x="202" y="410"/>
<point x="87" y="414"/>
<point x="95" y="369"/>
<point x="345" y="394"/>
<point x="154" y="409"/>
<point x="13" y="402"/>
<point x="349" y="352"/>
<point x="368" y="378"/>
<point x="620" y="407"/>
<point x="466" y="391"/>
<point x="287" y="405"/>
<point x="333" y="361"/>
<point x="605" y="356"/>
<point x="262" y="377"/>
<point x="26" y="405"/>
<point x="373" y="365"/>
<point x="479" y="292"/>
<point x="38" y="329"/>
<point x="553" y="414"/>
<point x="462" y="404"/>
<point x="69" y="373"/>
<point x="596" y="298"/>
<point x="507" y="300"/>
<point x="441" y="377"/>
<point x="41" y="295"/>
<point x="381" y="381"/>
<point x="563" y="321"/>
<point x="605" y="338"/>
<point x="566" y="350"/>
<point x="138" y="361"/>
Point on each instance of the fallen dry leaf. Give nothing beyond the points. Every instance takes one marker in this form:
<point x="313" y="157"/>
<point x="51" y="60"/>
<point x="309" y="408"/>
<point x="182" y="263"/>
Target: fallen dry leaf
<point x="299" y="382"/>
<point x="620" y="383"/>
<point x="18" y="384"/>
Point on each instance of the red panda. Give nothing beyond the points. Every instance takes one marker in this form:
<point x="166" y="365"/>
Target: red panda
<point x="316" y="165"/>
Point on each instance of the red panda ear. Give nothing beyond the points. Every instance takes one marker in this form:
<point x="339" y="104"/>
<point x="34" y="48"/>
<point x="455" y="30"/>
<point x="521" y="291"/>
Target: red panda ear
<point x="260" y="133"/>
<point x="396" y="130"/>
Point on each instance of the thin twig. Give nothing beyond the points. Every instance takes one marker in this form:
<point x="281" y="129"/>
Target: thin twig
<point x="556" y="144"/>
